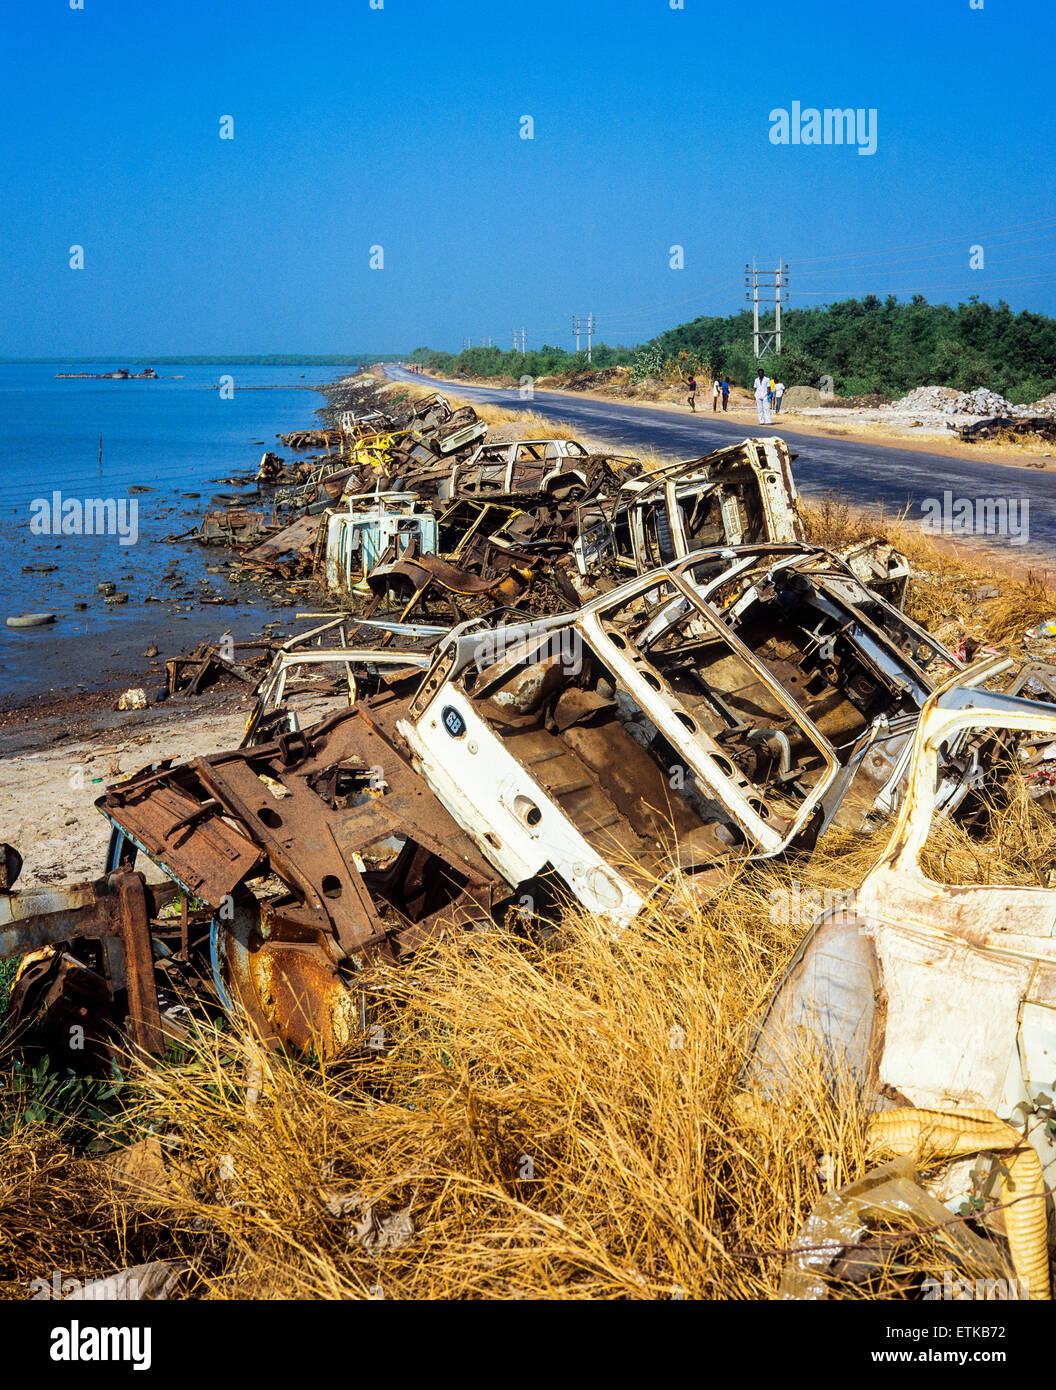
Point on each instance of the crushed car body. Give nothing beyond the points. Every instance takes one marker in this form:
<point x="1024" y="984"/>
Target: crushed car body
<point x="655" y="723"/>
<point x="315" y="854"/>
<point x="936" y="1002"/>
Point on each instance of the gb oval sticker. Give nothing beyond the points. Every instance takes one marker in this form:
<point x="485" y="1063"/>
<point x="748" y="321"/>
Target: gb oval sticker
<point x="453" y="721"/>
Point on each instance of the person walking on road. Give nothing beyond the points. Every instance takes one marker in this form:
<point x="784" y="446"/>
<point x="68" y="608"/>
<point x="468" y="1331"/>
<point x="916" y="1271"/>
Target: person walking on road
<point x="715" y="389"/>
<point x="779" y="391"/>
<point x="692" y="399"/>
<point x="725" y="393"/>
<point x="762" y="405"/>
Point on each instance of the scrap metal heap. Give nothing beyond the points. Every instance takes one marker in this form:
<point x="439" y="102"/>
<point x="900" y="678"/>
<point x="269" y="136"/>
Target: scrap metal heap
<point x="561" y="680"/>
<point x="424" y="510"/>
<point x="317" y="854"/>
<point x="731" y="706"/>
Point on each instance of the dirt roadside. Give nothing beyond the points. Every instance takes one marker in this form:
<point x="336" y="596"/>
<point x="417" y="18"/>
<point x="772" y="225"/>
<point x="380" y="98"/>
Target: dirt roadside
<point x="845" y="426"/>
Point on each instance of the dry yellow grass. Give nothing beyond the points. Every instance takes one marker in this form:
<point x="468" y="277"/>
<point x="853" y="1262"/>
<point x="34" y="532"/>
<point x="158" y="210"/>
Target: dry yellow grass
<point x="946" y="596"/>
<point x="558" y="1119"/>
<point x="548" y="1120"/>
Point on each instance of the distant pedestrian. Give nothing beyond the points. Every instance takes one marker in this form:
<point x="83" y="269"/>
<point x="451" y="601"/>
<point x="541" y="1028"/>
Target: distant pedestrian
<point x="779" y="391"/>
<point x="762" y="404"/>
<point x="725" y="393"/>
<point x="715" y="389"/>
<point x="692" y="398"/>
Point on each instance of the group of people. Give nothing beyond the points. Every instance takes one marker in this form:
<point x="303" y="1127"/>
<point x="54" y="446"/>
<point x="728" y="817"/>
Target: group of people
<point x="719" y="387"/>
<point x="768" y="394"/>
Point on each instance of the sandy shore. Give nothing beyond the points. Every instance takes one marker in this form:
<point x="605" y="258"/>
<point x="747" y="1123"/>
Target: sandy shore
<point x="51" y="774"/>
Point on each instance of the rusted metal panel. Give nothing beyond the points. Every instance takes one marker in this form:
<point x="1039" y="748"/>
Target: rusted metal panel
<point x="237" y="526"/>
<point x="118" y="906"/>
<point x="373" y="864"/>
<point x="298" y="538"/>
<point x="182" y="830"/>
<point x="134" y="925"/>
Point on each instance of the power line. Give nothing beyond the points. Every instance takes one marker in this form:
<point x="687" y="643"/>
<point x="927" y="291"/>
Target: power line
<point x="921" y="287"/>
<point x="900" y="267"/>
<point x="976" y="235"/>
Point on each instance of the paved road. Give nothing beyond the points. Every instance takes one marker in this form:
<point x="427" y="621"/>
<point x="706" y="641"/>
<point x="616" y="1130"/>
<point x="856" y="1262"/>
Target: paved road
<point x="864" y="473"/>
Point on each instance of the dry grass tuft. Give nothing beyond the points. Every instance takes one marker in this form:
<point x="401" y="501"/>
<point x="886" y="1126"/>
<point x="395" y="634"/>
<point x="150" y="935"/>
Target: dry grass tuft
<point x="60" y="1211"/>
<point x="558" y="1119"/>
<point x="952" y="594"/>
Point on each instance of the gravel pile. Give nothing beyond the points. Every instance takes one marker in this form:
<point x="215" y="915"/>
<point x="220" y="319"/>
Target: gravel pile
<point x="927" y="398"/>
<point x="984" y="402"/>
<point x="981" y="403"/>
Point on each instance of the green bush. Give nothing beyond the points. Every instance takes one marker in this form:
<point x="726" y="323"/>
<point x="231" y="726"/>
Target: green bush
<point x="865" y="345"/>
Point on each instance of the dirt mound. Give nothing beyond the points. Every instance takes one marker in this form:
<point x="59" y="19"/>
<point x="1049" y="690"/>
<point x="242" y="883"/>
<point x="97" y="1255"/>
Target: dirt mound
<point x="595" y="380"/>
<point x="802" y="398"/>
<point x="873" y="401"/>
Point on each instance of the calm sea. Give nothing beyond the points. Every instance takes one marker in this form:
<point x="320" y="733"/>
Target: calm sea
<point x="173" y="436"/>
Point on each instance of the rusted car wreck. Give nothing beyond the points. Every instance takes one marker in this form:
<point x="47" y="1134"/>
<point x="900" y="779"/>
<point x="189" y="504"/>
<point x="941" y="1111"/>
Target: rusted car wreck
<point x="728" y="707"/>
<point x="557" y="681"/>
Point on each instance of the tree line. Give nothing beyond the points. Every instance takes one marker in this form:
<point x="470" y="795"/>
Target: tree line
<point x="866" y="346"/>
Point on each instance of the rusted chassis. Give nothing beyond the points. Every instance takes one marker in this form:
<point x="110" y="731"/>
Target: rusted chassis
<point x="115" y="911"/>
<point x="369" y="864"/>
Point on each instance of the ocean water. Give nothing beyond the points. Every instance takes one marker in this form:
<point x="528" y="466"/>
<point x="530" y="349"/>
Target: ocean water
<point x="173" y="436"/>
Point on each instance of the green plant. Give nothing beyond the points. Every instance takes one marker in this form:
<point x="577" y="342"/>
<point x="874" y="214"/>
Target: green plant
<point x="8" y="970"/>
<point x="37" y="1093"/>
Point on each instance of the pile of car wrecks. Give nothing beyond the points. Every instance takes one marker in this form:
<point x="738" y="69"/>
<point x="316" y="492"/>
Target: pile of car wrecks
<point x="559" y="679"/>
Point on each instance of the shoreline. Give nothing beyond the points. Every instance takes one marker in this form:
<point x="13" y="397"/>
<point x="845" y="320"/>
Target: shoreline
<point x="63" y="720"/>
<point x="179" y="594"/>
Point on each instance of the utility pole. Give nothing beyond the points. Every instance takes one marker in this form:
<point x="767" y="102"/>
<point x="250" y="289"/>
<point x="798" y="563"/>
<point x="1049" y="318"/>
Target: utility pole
<point x="754" y="297"/>
<point x="523" y="343"/>
<point x="763" y="339"/>
<point x="514" y="347"/>
<point x="591" y="329"/>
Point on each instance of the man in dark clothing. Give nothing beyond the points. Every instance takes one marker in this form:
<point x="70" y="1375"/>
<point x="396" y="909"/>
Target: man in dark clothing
<point x="693" y="394"/>
<point x="725" y="393"/>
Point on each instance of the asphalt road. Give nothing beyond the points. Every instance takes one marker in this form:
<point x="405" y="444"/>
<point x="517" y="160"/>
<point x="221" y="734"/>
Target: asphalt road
<point x="864" y="473"/>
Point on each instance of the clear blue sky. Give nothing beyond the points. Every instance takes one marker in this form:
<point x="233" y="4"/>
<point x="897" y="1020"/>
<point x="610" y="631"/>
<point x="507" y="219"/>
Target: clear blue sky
<point x="400" y="127"/>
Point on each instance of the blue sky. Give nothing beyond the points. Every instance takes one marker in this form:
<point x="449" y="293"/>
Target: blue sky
<point x="400" y="127"/>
